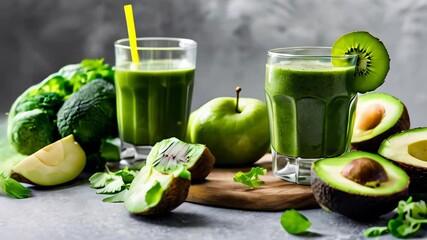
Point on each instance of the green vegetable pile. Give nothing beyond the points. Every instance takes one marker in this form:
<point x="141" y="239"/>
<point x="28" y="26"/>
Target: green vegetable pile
<point x="79" y="99"/>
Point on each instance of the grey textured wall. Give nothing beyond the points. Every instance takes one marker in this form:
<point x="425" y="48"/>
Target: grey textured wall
<point x="38" y="37"/>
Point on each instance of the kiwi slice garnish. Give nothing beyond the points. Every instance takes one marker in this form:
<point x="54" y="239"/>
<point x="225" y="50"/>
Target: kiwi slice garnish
<point x="373" y="61"/>
<point x="172" y="153"/>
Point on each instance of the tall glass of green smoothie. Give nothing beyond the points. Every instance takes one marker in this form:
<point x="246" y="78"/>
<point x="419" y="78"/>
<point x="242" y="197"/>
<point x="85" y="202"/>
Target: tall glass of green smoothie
<point x="310" y="106"/>
<point x="153" y="95"/>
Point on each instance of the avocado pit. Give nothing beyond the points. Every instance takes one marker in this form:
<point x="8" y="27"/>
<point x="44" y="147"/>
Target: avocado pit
<point x="365" y="171"/>
<point x="370" y="117"/>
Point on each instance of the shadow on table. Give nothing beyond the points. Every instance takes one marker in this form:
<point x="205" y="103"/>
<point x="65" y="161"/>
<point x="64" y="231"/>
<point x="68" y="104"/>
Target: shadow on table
<point x="310" y="235"/>
<point x="175" y="219"/>
<point x="80" y="180"/>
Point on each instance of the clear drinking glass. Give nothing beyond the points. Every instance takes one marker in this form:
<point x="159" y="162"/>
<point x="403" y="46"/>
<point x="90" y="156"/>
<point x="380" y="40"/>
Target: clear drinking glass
<point x="153" y="95"/>
<point x="310" y="107"/>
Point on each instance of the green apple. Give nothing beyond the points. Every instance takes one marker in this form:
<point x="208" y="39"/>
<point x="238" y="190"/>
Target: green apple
<point x="236" y="131"/>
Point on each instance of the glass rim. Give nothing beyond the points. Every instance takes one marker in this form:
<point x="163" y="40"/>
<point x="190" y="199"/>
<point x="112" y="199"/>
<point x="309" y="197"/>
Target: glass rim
<point x="292" y="52"/>
<point x="188" y="43"/>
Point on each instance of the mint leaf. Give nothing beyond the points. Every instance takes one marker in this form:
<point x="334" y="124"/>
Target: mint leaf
<point x="251" y="178"/>
<point x="117" y="198"/>
<point x="376" y="231"/>
<point x="13" y="188"/>
<point x="294" y="222"/>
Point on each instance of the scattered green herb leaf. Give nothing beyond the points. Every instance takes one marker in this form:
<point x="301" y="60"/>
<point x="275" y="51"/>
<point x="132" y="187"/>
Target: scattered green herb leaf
<point x="13" y="188"/>
<point x="117" y="198"/>
<point x="251" y="178"/>
<point x="116" y="183"/>
<point x="410" y="217"/>
<point x="376" y="231"/>
<point x="99" y="179"/>
<point x="294" y="222"/>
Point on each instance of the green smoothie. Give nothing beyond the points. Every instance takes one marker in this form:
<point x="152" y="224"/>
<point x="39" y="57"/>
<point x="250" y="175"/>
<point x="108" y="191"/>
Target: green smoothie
<point x="153" y="101"/>
<point x="310" y="108"/>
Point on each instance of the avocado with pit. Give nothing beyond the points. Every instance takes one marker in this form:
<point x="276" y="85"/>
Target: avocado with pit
<point x="408" y="150"/>
<point x="359" y="185"/>
<point x="378" y="116"/>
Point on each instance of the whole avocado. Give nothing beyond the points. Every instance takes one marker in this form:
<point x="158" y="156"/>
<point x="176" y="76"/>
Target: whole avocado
<point x="90" y="115"/>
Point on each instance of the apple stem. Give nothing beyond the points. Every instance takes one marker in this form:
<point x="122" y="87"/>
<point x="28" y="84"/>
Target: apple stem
<point x="238" y="89"/>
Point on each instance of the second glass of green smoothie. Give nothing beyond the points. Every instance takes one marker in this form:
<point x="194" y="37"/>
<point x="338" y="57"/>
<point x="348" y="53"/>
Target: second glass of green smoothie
<point x="310" y="106"/>
<point x="153" y="95"/>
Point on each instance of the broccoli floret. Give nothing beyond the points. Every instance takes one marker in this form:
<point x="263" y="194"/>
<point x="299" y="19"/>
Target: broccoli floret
<point x="50" y="102"/>
<point x="31" y="130"/>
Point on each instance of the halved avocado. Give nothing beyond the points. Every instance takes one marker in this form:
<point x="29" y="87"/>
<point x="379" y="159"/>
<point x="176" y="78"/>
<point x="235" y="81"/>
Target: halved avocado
<point x="156" y="193"/>
<point x="55" y="164"/>
<point x="408" y="150"/>
<point x="359" y="185"/>
<point x="378" y="116"/>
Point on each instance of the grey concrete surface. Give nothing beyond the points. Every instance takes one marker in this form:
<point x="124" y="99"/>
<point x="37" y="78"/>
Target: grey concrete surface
<point x="77" y="212"/>
<point x="38" y="37"/>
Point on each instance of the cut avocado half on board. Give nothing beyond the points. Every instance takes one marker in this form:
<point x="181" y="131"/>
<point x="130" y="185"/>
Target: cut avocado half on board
<point x="378" y="116"/>
<point x="359" y="185"/>
<point x="408" y="150"/>
<point x="373" y="60"/>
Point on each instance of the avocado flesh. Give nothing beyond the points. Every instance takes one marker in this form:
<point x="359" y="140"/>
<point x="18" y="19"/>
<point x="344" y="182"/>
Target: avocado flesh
<point x="55" y="164"/>
<point x="395" y="119"/>
<point x="408" y="150"/>
<point x="339" y="194"/>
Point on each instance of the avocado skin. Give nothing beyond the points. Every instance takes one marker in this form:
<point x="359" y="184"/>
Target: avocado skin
<point x="354" y="206"/>
<point x="372" y="145"/>
<point x="418" y="176"/>
<point x="174" y="196"/>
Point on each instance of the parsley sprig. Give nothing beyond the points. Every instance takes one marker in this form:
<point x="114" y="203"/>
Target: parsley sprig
<point x="13" y="188"/>
<point x="251" y="178"/>
<point x="116" y="183"/>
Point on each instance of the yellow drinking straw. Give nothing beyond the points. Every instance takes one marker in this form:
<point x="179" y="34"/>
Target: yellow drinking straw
<point x="132" y="33"/>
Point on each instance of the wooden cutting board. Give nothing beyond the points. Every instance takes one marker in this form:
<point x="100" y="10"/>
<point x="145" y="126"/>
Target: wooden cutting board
<point x="220" y="190"/>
